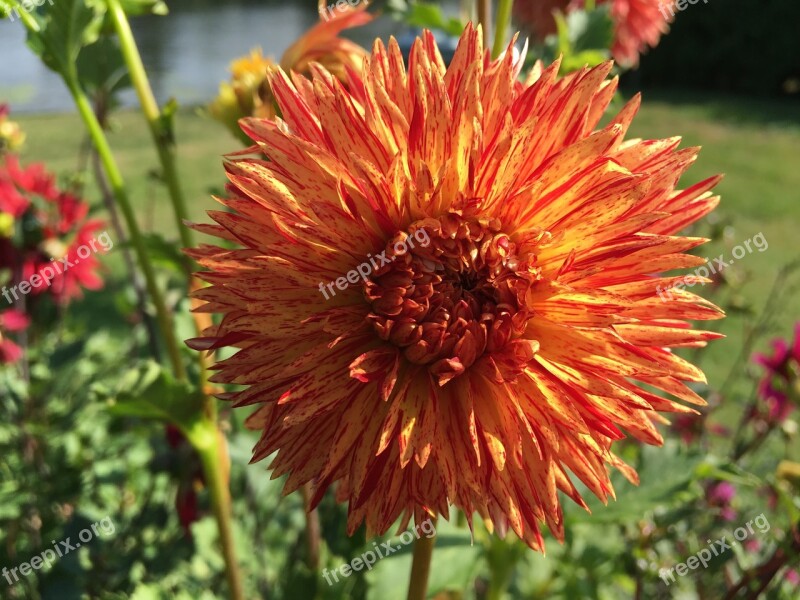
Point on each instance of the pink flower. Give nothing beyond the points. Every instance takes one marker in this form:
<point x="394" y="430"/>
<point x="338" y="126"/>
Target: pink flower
<point x="719" y="495"/>
<point x="781" y="370"/>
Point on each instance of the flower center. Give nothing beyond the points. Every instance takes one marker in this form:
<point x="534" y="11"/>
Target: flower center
<point x="449" y="293"/>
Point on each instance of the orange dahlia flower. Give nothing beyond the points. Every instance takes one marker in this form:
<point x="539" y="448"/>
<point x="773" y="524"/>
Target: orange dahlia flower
<point x="249" y="94"/>
<point x="322" y="43"/>
<point x="482" y="368"/>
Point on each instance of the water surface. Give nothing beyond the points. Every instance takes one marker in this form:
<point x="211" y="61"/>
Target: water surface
<point x="186" y="53"/>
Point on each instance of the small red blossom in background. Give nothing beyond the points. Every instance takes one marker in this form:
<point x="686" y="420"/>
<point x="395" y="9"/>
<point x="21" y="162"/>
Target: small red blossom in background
<point x="190" y="481"/>
<point x="778" y="386"/>
<point x="691" y="427"/>
<point x="43" y="230"/>
<point x="11" y="321"/>
<point x="638" y="24"/>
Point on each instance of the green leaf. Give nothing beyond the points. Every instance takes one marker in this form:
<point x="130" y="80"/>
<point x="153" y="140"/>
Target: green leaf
<point x="101" y="67"/>
<point x="148" y="391"/>
<point x="62" y="30"/>
<point x="583" y="38"/>
<point x="590" y="30"/>
<point x="667" y="478"/>
<point x="714" y="467"/>
<point x="430" y="16"/>
<point x="592" y="58"/>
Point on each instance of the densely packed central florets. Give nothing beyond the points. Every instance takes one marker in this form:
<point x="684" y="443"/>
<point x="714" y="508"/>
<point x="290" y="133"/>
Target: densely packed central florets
<point x="449" y="302"/>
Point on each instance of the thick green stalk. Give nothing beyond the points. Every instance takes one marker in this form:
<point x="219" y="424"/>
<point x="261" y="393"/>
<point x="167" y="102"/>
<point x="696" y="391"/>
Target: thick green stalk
<point x="421" y="568"/>
<point x="502" y="557"/>
<point x="119" y="190"/>
<point x="156" y="120"/>
<point x="503" y="20"/>
<point x="208" y="441"/>
<point x="213" y="459"/>
<point x="121" y="195"/>
<point x="206" y="438"/>
<point x="165" y="146"/>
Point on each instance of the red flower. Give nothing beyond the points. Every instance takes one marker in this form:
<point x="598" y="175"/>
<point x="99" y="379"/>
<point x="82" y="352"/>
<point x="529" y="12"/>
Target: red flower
<point x="45" y="234"/>
<point x="190" y="480"/>
<point x="11" y="320"/>
<point x="793" y="577"/>
<point x="638" y="24"/>
<point x="78" y="265"/>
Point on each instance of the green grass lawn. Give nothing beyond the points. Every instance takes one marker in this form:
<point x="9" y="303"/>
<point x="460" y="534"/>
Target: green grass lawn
<point x="756" y="144"/>
<point x="57" y="140"/>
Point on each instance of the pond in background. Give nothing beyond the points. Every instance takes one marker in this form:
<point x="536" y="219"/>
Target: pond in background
<point x="186" y="53"/>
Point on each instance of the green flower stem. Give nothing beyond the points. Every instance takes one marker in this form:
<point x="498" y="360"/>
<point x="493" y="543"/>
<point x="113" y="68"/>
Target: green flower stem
<point x="119" y="190"/>
<point x="156" y="119"/>
<point x="503" y="21"/>
<point x="121" y="195"/>
<point x="502" y="557"/>
<point x="421" y="568"/>
<point x="313" y="530"/>
<point x="210" y="444"/>
<point x="498" y="585"/>
<point x="161" y="132"/>
<point x="215" y="456"/>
